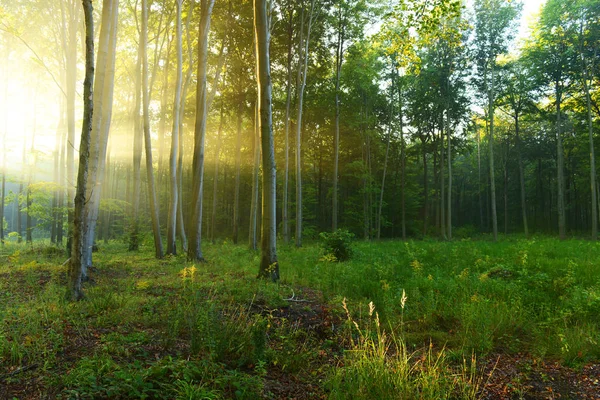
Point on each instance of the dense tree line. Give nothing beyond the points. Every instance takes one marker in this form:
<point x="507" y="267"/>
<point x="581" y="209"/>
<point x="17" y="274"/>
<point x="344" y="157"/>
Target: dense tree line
<point x="401" y="119"/>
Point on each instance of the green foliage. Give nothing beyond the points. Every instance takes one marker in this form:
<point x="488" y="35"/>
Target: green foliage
<point x="167" y="329"/>
<point x="337" y="244"/>
<point x="378" y="365"/>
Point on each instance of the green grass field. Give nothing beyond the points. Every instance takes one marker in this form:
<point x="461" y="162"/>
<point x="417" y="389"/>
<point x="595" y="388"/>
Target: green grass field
<point x="459" y="320"/>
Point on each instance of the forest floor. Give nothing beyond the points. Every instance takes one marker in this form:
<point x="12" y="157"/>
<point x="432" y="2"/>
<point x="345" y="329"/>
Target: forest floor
<point x="467" y="319"/>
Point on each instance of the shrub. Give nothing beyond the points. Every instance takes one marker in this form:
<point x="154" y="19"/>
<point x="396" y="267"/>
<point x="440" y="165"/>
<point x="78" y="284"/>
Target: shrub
<point x="338" y="244"/>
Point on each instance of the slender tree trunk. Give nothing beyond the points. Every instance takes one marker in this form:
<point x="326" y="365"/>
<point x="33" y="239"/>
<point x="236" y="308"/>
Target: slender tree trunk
<point x="560" y="166"/>
<point x="288" y="102"/>
<point x="62" y="187"/>
<point x="152" y="199"/>
<point x="521" y="176"/>
<point x="71" y="75"/>
<point x="108" y="194"/>
<point x="403" y="164"/>
<point x="425" y="190"/>
<point x="56" y="170"/>
<point x="174" y="201"/>
<point x="491" y="152"/>
<point x="369" y="183"/>
<point x="213" y="219"/>
<point x="253" y="240"/>
<point x="505" y="188"/>
<point x="137" y="157"/>
<point x="3" y="188"/>
<point x="269" y="266"/>
<point x="164" y="108"/>
<point x="103" y="90"/>
<point x="479" y="180"/>
<point x="195" y="249"/>
<point x="20" y="193"/>
<point x="442" y="183"/>
<point x="339" y="59"/>
<point x="181" y="232"/>
<point x="298" y="171"/>
<point x="302" y="85"/>
<point x="238" y="162"/>
<point x="29" y="200"/>
<point x="385" y="163"/>
<point x="5" y="97"/>
<point x="76" y="265"/>
<point x="449" y="140"/>
<point x="592" y="155"/>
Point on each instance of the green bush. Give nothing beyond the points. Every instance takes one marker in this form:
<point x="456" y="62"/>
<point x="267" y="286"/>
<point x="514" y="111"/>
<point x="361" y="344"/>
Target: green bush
<point x="338" y="244"/>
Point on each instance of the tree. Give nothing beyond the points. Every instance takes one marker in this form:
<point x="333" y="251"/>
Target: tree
<point x="77" y="261"/>
<point x="588" y="42"/>
<point x="516" y="91"/>
<point x="195" y="248"/>
<point x="103" y="98"/>
<point x="494" y="28"/>
<point x="158" y="247"/>
<point x="173" y="201"/>
<point x="269" y="266"/>
<point x="137" y="151"/>
<point x="303" y="55"/>
<point x="551" y="55"/>
<point x="348" y="21"/>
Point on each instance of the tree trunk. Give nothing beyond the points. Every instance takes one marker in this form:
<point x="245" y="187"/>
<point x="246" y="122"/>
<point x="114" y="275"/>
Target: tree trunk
<point x="137" y="158"/>
<point x="521" y="176"/>
<point x="108" y="194"/>
<point x="449" y="140"/>
<point x="164" y="108"/>
<point x="269" y="266"/>
<point x="158" y="247"/>
<point x="253" y="241"/>
<point x="592" y="155"/>
<point x="213" y="219"/>
<point x="505" y="188"/>
<point x="103" y="90"/>
<point x="20" y="193"/>
<point x="76" y="264"/>
<point x="3" y="187"/>
<point x="29" y="222"/>
<point x="339" y="59"/>
<point x="403" y="164"/>
<point x="302" y="72"/>
<point x="61" y="193"/>
<point x="195" y="248"/>
<point x="491" y="152"/>
<point x="71" y="76"/>
<point x="425" y="189"/>
<point x="180" y="219"/>
<point x="288" y="102"/>
<point x="173" y="200"/>
<point x="560" y="166"/>
<point x="385" y="163"/>
<point x="238" y="162"/>
<point x="442" y="183"/>
<point x="479" y="180"/>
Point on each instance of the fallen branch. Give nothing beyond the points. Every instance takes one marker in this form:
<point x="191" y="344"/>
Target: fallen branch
<point x="18" y="371"/>
<point x="293" y="298"/>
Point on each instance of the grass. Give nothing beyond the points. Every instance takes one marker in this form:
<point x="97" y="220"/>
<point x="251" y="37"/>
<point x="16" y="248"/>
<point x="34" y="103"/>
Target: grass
<point x="398" y="320"/>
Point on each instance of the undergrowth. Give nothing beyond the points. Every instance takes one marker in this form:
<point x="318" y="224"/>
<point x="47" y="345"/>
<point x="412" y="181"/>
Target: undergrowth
<point x="416" y="317"/>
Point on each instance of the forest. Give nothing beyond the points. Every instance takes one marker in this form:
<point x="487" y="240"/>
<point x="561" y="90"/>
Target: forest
<point x="298" y="199"/>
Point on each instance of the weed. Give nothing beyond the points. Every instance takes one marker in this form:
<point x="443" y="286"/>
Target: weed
<point x="337" y="244"/>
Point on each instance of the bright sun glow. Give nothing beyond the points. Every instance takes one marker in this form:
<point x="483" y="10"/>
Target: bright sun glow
<point x="26" y="114"/>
